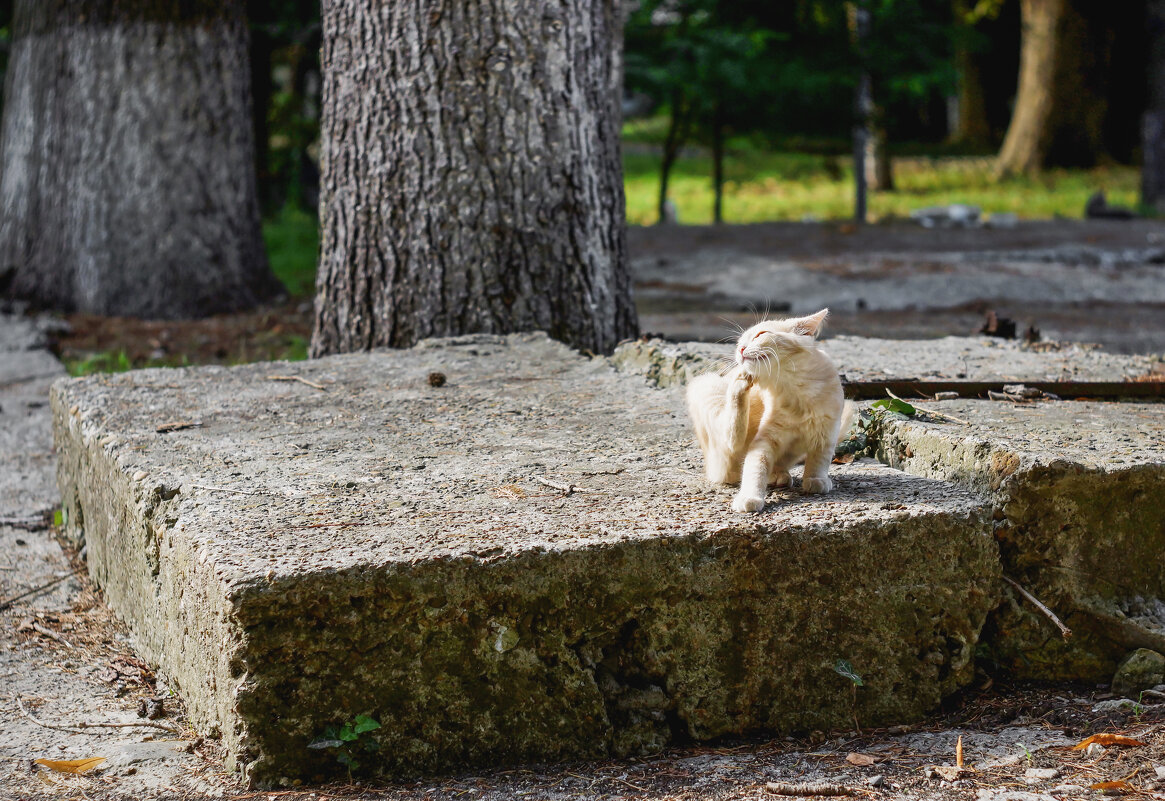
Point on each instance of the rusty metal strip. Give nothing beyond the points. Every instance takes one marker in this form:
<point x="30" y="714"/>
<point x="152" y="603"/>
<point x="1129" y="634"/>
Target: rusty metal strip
<point x="1067" y="390"/>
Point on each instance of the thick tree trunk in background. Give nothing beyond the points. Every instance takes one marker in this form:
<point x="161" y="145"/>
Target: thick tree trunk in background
<point x="1153" y="126"/>
<point x="972" y="128"/>
<point x="878" y="164"/>
<point x="471" y="173"/>
<point x="127" y="181"/>
<point x="1060" y="103"/>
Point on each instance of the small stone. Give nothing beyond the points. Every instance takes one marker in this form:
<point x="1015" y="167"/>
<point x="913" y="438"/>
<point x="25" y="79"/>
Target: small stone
<point x="139" y="475"/>
<point x="1143" y="669"/>
<point x="1160" y="770"/>
<point x="436" y="379"/>
<point x="877" y="780"/>
<point x="1113" y="705"/>
<point x="152" y="708"/>
<point x="1067" y="789"/>
<point x="1041" y="774"/>
<point x="1094" y="749"/>
<point x="946" y="396"/>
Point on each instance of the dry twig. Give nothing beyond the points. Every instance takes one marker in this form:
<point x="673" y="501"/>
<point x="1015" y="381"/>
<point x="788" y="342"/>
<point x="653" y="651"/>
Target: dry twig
<point x="931" y="412"/>
<point x="79" y="728"/>
<point x="298" y="378"/>
<point x="8" y="602"/>
<point x="52" y="635"/>
<point x="565" y="489"/>
<point x="1065" y="632"/>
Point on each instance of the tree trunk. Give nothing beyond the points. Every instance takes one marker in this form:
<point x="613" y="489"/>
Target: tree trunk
<point x="971" y="127"/>
<point x="878" y="164"/>
<point x="1153" y="127"/>
<point x="718" y="165"/>
<point x="128" y="180"/>
<point x="1060" y="104"/>
<point x="471" y="174"/>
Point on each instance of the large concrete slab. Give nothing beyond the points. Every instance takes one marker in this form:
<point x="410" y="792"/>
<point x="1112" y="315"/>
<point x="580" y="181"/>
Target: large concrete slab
<point x="384" y="546"/>
<point x="1078" y="491"/>
<point x="866" y="359"/>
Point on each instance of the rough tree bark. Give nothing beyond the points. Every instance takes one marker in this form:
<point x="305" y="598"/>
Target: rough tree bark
<point x="1060" y="103"/>
<point x="1153" y="124"/>
<point x="471" y="174"/>
<point x="128" y="181"/>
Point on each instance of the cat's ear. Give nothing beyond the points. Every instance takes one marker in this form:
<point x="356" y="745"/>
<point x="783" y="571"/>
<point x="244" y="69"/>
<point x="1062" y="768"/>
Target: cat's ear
<point x="809" y="326"/>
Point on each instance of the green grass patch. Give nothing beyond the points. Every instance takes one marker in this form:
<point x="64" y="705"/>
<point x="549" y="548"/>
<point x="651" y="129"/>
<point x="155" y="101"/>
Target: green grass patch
<point x="293" y="245"/>
<point x="762" y="186"/>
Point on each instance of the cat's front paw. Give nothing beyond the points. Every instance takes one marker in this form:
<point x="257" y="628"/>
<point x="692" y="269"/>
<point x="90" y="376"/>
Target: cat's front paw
<point x="742" y="503"/>
<point x="741" y="383"/>
<point x="816" y="485"/>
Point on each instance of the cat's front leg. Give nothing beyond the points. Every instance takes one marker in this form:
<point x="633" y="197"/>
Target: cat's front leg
<point x="754" y="479"/>
<point x="735" y="414"/>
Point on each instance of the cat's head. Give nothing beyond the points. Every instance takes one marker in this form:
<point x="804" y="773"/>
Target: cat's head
<point x="761" y="348"/>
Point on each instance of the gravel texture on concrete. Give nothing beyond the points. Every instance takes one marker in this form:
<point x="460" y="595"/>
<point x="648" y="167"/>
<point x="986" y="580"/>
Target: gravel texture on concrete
<point x="1077" y="489"/>
<point x="298" y="544"/>
<point x="1078" y="492"/>
<point x="865" y="359"/>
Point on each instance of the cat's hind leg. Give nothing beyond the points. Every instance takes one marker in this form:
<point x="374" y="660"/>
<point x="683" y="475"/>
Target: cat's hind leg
<point x="816" y="476"/>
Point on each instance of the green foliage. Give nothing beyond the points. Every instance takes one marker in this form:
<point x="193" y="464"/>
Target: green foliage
<point x="104" y="362"/>
<point x="293" y="242"/>
<point x="894" y="405"/>
<point x="768" y="185"/>
<point x="346" y="741"/>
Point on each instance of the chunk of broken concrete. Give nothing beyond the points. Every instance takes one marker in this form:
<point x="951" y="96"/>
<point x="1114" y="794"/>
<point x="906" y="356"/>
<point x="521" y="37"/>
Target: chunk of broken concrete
<point x="1078" y="491"/>
<point x="382" y="547"/>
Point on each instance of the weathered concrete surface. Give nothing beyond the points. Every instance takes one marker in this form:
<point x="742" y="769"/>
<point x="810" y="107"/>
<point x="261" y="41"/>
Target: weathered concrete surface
<point x="864" y="359"/>
<point x="1078" y="491"/>
<point x="379" y="547"/>
<point x="27" y="491"/>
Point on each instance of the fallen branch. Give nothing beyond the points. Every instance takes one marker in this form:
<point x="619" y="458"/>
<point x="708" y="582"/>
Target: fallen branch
<point x="817" y="788"/>
<point x="1065" y="632"/>
<point x="79" y="728"/>
<point x="298" y="378"/>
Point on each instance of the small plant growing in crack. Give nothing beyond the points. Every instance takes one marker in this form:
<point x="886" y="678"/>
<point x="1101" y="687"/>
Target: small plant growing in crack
<point x="347" y="740"/>
<point x="844" y="667"/>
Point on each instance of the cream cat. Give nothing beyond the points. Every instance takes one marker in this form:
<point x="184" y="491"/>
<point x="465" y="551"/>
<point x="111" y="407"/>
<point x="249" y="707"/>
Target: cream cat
<point x="780" y="404"/>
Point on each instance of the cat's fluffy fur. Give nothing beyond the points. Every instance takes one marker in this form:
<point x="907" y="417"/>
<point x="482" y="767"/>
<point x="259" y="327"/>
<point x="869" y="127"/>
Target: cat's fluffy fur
<point x="781" y="403"/>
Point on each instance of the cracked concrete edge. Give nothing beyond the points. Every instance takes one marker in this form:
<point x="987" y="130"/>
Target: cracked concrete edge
<point x="1083" y="535"/>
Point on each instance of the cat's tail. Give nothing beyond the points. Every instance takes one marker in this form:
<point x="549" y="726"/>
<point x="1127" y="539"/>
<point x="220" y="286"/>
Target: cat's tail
<point x="848" y="413"/>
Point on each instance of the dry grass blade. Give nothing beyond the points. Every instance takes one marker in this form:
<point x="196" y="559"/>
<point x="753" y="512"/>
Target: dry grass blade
<point x="166" y="428"/>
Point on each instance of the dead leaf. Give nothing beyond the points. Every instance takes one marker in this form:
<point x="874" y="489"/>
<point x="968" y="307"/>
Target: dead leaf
<point x="844" y="458"/>
<point x="71" y="765"/>
<point x="1106" y="740"/>
<point x="1108" y="787"/>
<point x="509" y="491"/>
<point x="861" y="760"/>
<point x="959" y="752"/>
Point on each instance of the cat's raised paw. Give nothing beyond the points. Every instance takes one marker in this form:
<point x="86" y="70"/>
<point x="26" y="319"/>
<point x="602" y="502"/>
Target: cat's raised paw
<point x="742" y="504"/>
<point x="815" y="486"/>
